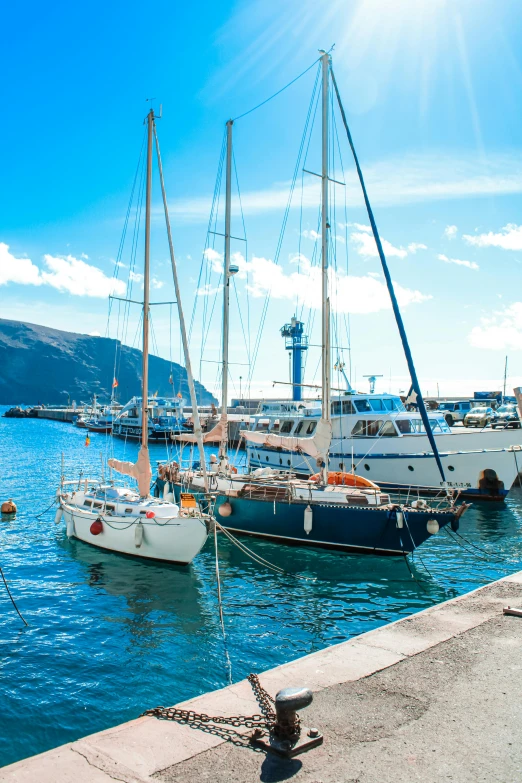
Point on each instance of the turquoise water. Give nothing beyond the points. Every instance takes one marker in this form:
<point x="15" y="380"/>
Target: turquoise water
<point x="110" y="636"/>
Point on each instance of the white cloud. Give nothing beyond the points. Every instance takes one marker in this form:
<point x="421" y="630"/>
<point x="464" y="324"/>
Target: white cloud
<point x="450" y="232"/>
<point x="458" y="261"/>
<point x="17" y="270"/>
<point x="509" y="238"/>
<point x="76" y="277"/>
<point x="94" y="334"/>
<point x="357" y="226"/>
<point x="155" y="283"/>
<point x="208" y="290"/>
<point x="414" y="246"/>
<point x="367" y="247"/>
<point x="396" y="181"/>
<point x="120" y="264"/>
<point x="135" y="277"/>
<point x="310" y="234"/>
<point x="501" y="331"/>
<point x="349" y="294"/>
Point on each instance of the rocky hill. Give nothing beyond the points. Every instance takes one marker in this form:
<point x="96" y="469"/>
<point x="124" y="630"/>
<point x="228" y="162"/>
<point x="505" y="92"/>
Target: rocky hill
<point x="48" y="366"/>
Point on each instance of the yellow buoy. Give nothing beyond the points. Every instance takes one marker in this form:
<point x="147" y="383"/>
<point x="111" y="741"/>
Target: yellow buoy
<point x="8" y="507"/>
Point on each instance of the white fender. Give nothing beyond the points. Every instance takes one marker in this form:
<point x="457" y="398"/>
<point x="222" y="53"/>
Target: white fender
<point x="138" y="535"/>
<point x="58" y="515"/>
<point x="432" y="527"/>
<point x="308" y="519"/>
<point x="400" y="519"/>
<point x="69" y="529"/>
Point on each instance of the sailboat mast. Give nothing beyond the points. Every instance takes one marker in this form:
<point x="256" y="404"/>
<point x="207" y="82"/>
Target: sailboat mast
<point x="226" y="286"/>
<point x="146" y="305"/>
<point x="325" y="226"/>
<point x="505" y="381"/>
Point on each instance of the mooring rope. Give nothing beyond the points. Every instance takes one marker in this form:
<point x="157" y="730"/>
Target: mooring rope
<point x="22" y="618"/>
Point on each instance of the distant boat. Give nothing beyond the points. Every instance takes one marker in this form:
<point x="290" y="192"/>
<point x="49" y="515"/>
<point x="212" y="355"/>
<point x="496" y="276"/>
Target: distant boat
<point x="164" y="416"/>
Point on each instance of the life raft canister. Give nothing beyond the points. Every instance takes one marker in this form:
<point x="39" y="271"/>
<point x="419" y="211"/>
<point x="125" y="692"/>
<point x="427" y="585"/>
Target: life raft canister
<point x="338" y="478"/>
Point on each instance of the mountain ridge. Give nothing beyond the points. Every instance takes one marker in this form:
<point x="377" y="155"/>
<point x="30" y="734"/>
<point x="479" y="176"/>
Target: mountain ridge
<point x="41" y="364"/>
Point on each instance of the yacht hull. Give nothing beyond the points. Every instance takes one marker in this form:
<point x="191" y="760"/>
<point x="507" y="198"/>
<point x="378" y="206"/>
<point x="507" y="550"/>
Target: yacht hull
<point x="175" y="541"/>
<point x="364" y="530"/>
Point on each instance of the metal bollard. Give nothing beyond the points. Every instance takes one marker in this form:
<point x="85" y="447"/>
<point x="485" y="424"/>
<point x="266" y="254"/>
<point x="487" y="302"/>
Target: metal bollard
<point x="288" y="737"/>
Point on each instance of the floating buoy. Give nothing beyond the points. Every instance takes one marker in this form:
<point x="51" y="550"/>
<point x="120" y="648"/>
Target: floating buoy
<point x="225" y="509"/>
<point x="96" y="527"/>
<point x="432" y="527"/>
<point x="8" y="507"/>
<point x="138" y="535"/>
<point x="58" y="515"/>
<point x="308" y="519"/>
<point x="150" y="514"/>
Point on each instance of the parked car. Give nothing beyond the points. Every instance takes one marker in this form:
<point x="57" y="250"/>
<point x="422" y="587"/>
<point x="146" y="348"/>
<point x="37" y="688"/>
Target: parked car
<point x="454" y="411"/>
<point x="479" y="417"/>
<point x="506" y="416"/>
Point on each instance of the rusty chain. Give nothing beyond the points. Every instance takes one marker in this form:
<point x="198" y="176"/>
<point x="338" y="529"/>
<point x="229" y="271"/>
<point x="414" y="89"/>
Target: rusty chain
<point x="216" y="724"/>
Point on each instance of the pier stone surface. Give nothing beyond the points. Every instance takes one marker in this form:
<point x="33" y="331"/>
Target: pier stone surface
<point x="433" y="697"/>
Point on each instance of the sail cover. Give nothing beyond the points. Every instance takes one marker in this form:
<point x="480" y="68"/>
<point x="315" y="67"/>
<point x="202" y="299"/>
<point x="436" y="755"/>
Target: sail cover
<point x="316" y="446"/>
<point x="139" y="470"/>
<point x="217" y="434"/>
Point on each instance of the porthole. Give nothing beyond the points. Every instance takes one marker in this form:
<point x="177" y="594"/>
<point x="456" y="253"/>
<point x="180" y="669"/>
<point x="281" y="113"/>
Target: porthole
<point x="410" y="467"/>
<point x="280" y="461"/>
<point x="267" y="459"/>
<point x="341" y="466"/>
<point x="450" y="467"/>
<point x="288" y="462"/>
<point x="258" y="456"/>
<point x="354" y="467"/>
<point x="366" y="466"/>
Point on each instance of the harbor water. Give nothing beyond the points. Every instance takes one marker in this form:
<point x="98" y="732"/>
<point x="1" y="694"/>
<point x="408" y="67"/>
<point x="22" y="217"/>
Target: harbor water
<point x="110" y="636"/>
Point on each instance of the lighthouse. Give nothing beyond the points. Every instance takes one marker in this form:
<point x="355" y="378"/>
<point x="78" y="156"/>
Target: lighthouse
<point x="297" y="342"/>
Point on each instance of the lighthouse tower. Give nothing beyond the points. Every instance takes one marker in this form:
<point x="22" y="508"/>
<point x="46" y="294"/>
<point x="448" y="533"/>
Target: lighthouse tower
<point x="297" y="342"/>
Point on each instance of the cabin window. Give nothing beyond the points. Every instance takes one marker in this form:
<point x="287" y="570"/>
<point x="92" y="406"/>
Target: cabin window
<point x="129" y="510"/>
<point x="286" y="426"/>
<point x="336" y="407"/>
<point x="110" y="507"/>
<point x="88" y="503"/>
<point x="275" y="426"/>
<point x="362" y="406"/>
<point x="262" y="425"/>
<point x="299" y="428"/>
<point x="96" y="504"/>
<point x="348" y="406"/>
<point x="373" y="427"/>
<point x="388" y="404"/>
<point x="311" y="427"/>
<point x="404" y="426"/>
<point x="360" y="428"/>
<point x="377" y="404"/>
<point x="388" y="431"/>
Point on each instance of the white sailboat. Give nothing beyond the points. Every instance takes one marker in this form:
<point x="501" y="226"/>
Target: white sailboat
<point x="124" y="519"/>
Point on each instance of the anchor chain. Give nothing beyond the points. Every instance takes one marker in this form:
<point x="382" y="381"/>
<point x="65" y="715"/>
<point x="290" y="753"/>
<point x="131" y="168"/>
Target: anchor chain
<point x="216" y="724"/>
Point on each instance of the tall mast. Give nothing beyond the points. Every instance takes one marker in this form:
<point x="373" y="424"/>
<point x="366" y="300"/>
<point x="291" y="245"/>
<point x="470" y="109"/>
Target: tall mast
<point x="325" y="226"/>
<point x="226" y="288"/>
<point x="146" y="306"/>
<point x="505" y="381"/>
<point x="190" y="378"/>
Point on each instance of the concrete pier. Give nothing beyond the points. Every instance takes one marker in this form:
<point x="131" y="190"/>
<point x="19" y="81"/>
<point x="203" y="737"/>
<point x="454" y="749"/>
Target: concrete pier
<point x="433" y="697"/>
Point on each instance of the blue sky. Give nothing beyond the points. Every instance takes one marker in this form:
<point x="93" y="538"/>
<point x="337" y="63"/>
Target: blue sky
<point x="433" y="94"/>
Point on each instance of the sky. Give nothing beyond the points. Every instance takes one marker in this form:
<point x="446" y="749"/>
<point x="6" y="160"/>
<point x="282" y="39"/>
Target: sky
<point x="433" y="95"/>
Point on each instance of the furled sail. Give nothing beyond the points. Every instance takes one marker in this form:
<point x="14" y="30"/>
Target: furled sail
<point x="217" y="434"/>
<point x="139" y="470"/>
<point x="316" y="446"/>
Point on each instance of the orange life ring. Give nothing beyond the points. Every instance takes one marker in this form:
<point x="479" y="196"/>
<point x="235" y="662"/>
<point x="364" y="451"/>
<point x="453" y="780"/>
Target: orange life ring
<point x="346" y="479"/>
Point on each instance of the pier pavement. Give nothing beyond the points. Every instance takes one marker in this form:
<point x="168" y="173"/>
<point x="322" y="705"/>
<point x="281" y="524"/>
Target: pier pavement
<point x="432" y="697"/>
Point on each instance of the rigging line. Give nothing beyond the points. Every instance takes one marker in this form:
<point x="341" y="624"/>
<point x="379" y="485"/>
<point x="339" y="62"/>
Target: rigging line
<point x="241" y="319"/>
<point x="284" y="223"/>
<point x="391" y="291"/>
<point x="20" y="615"/>
<point x="246" y="253"/>
<point x="240" y="117"/>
